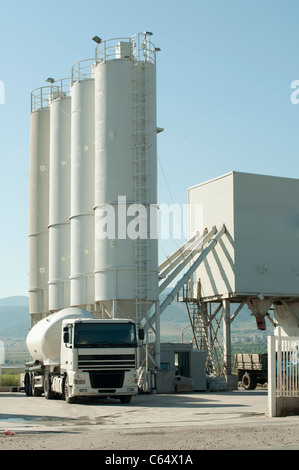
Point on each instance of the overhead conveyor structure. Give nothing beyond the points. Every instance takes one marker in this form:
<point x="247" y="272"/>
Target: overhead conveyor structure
<point x="191" y="253"/>
<point x="173" y="265"/>
<point x="193" y="249"/>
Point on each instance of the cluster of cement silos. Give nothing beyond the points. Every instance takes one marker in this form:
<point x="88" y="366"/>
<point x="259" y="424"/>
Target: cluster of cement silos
<point x="93" y="149"/>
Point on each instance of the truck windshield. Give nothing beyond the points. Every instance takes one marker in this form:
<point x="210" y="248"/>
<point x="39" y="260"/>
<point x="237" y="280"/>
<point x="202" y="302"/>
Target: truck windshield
<point x="105" y="335"/>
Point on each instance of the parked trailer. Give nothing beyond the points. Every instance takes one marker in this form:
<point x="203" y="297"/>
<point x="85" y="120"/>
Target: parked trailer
<point x="252" y="369"/>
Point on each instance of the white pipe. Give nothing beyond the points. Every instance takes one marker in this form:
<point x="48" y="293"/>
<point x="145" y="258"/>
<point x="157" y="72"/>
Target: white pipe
<point x="271" y="376"/>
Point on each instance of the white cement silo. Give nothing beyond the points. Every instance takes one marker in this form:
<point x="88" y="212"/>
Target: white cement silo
<point x="82" y="188"/>
<point x="126" y="174"/>
<point x="39" y="204"/>
<point x="59" y="197"/>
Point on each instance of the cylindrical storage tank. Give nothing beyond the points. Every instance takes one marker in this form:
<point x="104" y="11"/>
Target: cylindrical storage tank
<point x="82" y="193"/>
<point x="39" y="204"/>
<point x="44" y="339"/>
<point x="59" y="204"/>
<point x="126" y="265"/>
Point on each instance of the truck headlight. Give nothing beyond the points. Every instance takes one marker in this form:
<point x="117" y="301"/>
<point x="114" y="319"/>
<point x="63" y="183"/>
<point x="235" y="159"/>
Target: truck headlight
<point x="79" y="381"/>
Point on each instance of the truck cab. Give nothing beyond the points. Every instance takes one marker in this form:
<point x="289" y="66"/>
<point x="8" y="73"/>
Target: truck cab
<point x="98" y="357"/>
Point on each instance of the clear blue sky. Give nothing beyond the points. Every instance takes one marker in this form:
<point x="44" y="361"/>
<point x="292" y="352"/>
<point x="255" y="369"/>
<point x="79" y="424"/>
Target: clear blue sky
<point x="223" y="75"/>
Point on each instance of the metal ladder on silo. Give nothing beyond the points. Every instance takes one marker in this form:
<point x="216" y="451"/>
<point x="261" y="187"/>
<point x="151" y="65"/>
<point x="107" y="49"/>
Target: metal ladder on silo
<point x="141" y="177"/>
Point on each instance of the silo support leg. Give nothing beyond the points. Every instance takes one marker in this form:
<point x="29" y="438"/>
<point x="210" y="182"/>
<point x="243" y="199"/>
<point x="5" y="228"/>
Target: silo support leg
<point x="226" y="337"/>
<point x="157" y="325"/>
<point x="231" y="380"/>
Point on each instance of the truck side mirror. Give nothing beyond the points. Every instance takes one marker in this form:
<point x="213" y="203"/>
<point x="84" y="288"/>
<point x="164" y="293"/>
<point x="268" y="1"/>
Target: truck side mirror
<point x="141" y="334"/>
<point x="66" y="337"/>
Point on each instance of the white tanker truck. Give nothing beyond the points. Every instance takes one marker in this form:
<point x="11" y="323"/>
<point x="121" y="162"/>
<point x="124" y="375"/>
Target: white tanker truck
<point x="76" y="355"/>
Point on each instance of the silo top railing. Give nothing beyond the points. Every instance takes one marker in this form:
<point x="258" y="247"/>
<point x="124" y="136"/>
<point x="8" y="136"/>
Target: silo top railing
<point x="144" y="49"/>
<point x="82" y="70"/>
<point x="137" y="48"/>
<point x="42" y="97"/>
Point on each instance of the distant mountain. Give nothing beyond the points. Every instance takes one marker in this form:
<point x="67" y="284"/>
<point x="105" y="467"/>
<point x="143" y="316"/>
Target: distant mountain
<point x="15" y="301"/>
<point x="14" y="317"/>
<point x="176" y="311"/>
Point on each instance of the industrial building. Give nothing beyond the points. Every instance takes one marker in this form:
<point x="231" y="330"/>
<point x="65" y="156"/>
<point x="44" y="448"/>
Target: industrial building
<point x="93" y="205"/>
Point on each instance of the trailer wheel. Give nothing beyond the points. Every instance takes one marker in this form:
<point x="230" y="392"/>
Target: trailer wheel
<point x="27" y="385"/>
<point x="49" y="394"/>
<point x="249" y="381"/>
<point x="35" y="392"/>
<point x="67" y="398"/>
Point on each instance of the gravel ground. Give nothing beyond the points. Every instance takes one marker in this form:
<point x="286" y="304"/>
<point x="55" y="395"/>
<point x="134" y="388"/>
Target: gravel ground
<point x="228" y="421"/>
<point x="261" y="437"/>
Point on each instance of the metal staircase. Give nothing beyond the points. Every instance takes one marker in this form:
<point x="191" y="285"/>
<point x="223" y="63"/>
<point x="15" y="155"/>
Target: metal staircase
<point x="203" y="332"/>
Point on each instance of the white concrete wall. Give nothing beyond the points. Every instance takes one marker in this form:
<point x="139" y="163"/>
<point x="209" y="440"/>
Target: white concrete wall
<point x="216" y="196"/>
<point x="266" y="215"/>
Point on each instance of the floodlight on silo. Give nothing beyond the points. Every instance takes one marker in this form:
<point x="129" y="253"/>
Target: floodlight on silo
<point x="97" y="39"/>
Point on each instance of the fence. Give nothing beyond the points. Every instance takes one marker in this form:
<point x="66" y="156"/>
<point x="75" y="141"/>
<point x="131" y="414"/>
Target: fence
<point x="283" y="375"/>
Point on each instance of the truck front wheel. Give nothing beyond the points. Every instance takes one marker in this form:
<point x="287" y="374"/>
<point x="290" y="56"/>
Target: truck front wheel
<point x="67" y="398"/>
<point x="35" y="392"/>
<point x="47" y="387"/>
<point x="249" y="381"/>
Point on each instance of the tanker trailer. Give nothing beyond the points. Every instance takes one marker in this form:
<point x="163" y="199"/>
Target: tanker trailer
<point x="77" y="355"/>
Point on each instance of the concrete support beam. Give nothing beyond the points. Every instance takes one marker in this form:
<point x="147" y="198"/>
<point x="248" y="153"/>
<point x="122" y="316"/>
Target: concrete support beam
<point x="227" y="350"/>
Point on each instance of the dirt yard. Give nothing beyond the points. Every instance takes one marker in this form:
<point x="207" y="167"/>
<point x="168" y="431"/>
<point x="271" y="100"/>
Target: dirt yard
<point x="205" y="421"/>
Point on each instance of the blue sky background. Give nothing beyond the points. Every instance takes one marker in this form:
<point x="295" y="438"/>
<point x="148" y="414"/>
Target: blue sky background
<point x="223" y="76"/>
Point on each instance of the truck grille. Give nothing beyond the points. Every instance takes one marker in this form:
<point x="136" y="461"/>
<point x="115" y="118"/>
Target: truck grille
<point x="108" y="379"/>
<point x="106" y="361"/>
